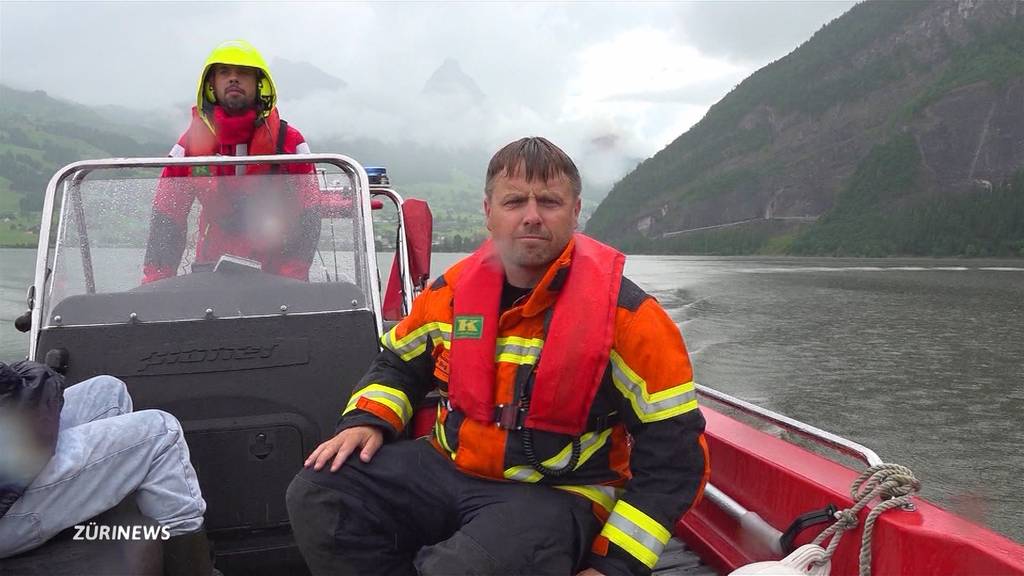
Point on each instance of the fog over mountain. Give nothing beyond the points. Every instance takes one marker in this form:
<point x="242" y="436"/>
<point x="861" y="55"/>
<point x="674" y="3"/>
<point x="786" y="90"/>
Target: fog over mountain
<point x="302" y="77"/>
<point x="449" y="80"/>
<point x="632" y="77"/>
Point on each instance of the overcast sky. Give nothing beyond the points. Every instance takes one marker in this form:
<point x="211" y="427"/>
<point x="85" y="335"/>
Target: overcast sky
<point x="634" y="75"/>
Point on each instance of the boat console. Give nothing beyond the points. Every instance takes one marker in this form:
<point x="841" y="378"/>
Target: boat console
<point x="255" y="365"/>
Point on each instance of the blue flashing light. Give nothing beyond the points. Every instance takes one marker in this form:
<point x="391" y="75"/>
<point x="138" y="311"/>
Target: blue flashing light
<point x="378" y="175"/>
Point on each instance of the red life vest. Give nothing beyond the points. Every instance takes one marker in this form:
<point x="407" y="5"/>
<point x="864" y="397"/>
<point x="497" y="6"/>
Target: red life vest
<point x="200" y="140"/>
<point x="576" y="344"/>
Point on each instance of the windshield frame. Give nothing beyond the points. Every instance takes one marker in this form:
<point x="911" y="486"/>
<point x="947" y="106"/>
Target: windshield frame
<point x="75" y="172"/>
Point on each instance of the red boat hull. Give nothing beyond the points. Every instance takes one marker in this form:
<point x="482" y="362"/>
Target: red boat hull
<point x="779" y="481"/>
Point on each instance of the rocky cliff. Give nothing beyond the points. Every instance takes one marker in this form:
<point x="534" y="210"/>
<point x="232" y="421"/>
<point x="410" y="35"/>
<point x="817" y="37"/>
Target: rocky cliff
<point x="886" y="113"/>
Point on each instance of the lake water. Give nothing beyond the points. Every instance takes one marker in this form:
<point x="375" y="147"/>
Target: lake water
<point x="920" y="360"/>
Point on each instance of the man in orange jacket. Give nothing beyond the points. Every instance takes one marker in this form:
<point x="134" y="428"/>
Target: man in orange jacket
<point x="274" y="220"/>
<point x="567" y="437"/>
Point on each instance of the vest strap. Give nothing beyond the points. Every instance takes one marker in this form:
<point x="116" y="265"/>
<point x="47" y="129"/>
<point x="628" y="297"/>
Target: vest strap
<point x="282" y="131"/>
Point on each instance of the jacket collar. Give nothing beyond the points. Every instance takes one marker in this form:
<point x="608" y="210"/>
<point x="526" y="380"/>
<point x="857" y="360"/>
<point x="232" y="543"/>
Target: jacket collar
<point x="234" y="129"/>
<point x="545" y="293"/>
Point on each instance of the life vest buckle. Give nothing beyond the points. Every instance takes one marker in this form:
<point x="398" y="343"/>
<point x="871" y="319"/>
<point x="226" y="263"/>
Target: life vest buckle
<point x="604" y="421"/>
<point x="509" y="416"/>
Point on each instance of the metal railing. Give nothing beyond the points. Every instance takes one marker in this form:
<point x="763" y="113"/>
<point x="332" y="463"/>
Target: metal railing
<point x="752" y="523"/>
<point x="838" y="443"/>
<point x="405" y="273"/>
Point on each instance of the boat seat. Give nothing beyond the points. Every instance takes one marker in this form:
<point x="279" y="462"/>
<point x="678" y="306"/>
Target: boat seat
<point x="64" y="556"/>
<point x="255" y="394"/>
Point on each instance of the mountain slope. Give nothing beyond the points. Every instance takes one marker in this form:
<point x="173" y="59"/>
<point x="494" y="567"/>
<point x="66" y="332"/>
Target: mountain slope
<point x="38" y="135"/>
<point x="297" y="79"/>
<point x="928" y="93"/>
<point x="450" y="80"/>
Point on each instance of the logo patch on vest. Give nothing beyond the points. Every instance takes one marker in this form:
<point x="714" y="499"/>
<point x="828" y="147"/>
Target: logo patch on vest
<point x="469" y="327"/>
<point x="200" y="170"/>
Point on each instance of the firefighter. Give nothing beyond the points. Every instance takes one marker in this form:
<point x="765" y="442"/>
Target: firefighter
<point x="567" y="438"/>
<point x="277" y="222"/>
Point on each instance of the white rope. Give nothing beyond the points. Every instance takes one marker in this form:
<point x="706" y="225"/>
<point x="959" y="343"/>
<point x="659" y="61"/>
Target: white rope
<point x="894" y="484"/>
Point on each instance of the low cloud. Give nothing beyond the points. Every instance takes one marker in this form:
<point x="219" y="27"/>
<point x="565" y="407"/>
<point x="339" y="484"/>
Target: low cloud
<point x="611" y="83"/>
<point x="754" y="31"/>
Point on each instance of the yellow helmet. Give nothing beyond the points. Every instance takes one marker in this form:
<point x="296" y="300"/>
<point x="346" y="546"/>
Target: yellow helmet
<point x="237" y="53"/>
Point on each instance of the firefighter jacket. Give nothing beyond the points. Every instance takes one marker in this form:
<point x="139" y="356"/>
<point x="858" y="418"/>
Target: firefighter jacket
<point x="275" y="222"/>
<point x="639" y="455"/>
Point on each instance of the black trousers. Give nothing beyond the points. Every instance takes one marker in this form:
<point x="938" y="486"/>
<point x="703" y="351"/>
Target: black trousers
<point x="409" y="511"/>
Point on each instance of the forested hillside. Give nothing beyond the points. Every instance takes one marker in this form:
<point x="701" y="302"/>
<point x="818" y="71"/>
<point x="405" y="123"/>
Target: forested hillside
<point x="38" y="135"/>
<point x="896" y="129"/>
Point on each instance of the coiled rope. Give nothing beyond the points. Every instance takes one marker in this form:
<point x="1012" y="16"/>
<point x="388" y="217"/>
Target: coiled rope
<point x="894" y="484"/>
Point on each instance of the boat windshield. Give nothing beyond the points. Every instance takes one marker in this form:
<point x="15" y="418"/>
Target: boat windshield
<point x="139" y="245"/>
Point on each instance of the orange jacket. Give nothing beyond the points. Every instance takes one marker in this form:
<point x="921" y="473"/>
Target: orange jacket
<point x="642" y="459"/>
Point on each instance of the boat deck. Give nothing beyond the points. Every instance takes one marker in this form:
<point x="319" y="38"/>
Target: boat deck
<point x="678" y="560"/>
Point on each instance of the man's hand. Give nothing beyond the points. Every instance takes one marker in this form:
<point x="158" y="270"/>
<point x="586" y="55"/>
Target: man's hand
<point x="590" y="572"/>
<point x="367" y="438"/>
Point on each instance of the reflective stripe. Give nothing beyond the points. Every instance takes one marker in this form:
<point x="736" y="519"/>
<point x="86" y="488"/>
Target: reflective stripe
<point x="393" y="398"/>
<point x="442" y="438"/>
<point x="636" y="533"/>
<point x="302" y="148"/>
<point x="442" y="335"/>
<point x="603" y="496"/>
<point x="177" y="152"/>
<point x="518" y="350"/>
<point x="415" y="342"/>
<point x="523" y="474"/>
<point x="651" y="407"/>
<point x="590" y="443"/>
